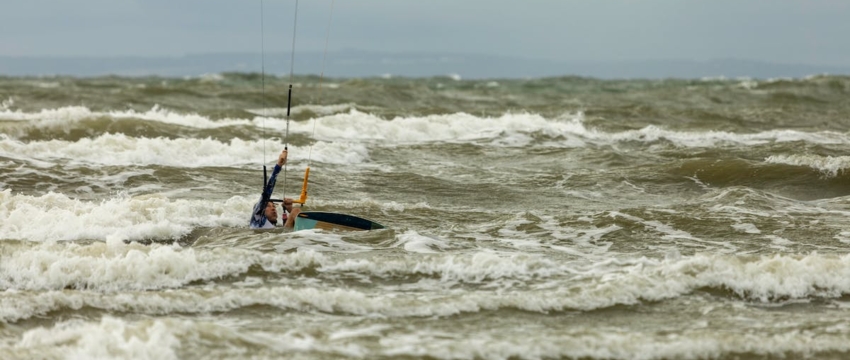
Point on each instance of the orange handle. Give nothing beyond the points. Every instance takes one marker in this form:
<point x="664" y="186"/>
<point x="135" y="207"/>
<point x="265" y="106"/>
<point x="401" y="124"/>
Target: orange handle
<point x="303" y="198"/>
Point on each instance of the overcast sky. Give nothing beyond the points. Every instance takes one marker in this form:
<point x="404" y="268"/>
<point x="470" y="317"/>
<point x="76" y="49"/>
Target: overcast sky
<point x="813" y="32"/>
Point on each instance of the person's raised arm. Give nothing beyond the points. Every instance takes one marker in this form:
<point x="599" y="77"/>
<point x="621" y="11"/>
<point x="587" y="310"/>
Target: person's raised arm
<point x="281" y="159"/>
<point x="267" y="191"/>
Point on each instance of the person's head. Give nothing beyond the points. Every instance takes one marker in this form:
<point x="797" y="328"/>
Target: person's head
<point x="271" y="212"/>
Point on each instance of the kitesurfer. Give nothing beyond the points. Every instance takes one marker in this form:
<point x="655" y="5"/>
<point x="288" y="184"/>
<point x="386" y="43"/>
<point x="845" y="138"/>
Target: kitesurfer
<point x="265" y="211"/>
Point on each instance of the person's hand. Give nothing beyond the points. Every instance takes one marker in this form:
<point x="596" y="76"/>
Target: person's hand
<point x="287" y="201"/>
<point x="281" y="160"/>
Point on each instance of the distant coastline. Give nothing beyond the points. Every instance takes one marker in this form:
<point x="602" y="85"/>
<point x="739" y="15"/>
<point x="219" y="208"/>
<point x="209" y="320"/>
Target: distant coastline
<point x="354" y="63"/>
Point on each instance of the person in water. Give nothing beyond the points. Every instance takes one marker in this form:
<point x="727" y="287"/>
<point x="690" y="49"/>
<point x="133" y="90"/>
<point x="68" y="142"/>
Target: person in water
<point x="265" y="211"/>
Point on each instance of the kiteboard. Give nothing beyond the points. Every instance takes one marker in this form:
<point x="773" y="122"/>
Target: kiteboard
<point x="333" y="221"/>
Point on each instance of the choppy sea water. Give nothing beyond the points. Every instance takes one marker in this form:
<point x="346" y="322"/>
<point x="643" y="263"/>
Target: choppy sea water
<point x="527" y="219"/>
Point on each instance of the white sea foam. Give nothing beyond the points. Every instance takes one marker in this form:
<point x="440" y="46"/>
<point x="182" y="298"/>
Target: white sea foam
<point x="595" y="286"/>
<point x="748" y="83"/>
<point x="459" y="127"/>
<point x="843" y="237"/>
<point x="320" y="110"/>
<point x="107" y="267"/>
<point x="111" y="338"/>
<point x="414" y="242"/>
<point x="589" y="238"/>
<point x="399" y="207"/>
<point x="211" y="77"/>
<point x="57" y="217"/>
<point x="516" y="130"/>
<point x="653" y="133"/>
<point x="827" y="165"/>
<point x="668" y="231"/>
<point x="610" y="343"/>
<point x="65" y="116"/>
<point x="474" y="268"/>
<point x="117" y="267"/>
<point x="779" y="242"/>
<point x="119" y="149"/>
<point x="114" y="338"/>
<point x="510" y="130"/>
<point x="747" y="228"/>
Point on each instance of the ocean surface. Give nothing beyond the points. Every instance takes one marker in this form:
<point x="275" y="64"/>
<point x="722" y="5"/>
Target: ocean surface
<point x="552" y="218"/>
